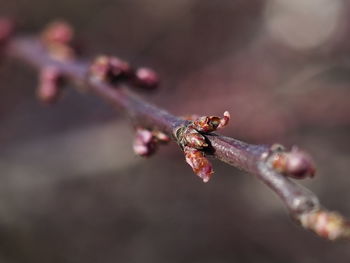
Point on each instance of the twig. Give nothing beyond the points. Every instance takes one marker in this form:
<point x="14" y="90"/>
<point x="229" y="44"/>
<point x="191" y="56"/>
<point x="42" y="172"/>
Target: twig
<point x="273" y="165"/>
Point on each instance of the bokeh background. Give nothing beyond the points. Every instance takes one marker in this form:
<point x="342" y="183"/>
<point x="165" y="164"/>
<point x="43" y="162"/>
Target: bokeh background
<point x="71" y="189"/>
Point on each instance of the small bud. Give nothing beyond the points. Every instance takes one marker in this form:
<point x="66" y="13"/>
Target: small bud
<point x="224" y="120"/>
<point x="119" y="68"/>
<point x="206" y="124"/>
<point x="199" y="163"/>
<point x="144" y="144"/>
<point x="296" y="163"/>
<point x="211" y="123"/>
<point x="58" y="37"/>
<point x="50" y="85"/>
<point x="326" y="224"/>
<point x="146" y="78"/>
<point x="188" y="136"/>
<point x="109" y="69"/>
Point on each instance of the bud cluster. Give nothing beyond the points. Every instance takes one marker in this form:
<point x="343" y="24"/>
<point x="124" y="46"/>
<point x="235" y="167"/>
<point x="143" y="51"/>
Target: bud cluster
<point x="192" y="140"/>
<point x="114" y="70"/>
<point x="146" y="142"/>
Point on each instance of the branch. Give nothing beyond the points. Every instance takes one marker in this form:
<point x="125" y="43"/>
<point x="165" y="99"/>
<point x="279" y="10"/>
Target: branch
<point x="273" y="165"/>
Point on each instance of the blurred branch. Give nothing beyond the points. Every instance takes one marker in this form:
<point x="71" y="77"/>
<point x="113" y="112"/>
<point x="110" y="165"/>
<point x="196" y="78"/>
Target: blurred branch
<point x="273" y="165"/>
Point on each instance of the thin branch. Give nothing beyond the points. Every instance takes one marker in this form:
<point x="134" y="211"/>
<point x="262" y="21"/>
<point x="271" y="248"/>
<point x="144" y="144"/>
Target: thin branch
<point x="273" y="165"/>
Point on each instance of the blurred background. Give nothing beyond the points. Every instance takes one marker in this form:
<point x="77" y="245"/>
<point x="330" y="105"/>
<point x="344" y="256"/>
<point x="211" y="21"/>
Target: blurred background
<point x="71" y="189"/>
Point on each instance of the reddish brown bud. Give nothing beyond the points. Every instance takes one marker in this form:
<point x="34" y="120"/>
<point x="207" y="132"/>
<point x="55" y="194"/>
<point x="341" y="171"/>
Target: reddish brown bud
<point x="6" y="29"/>
<point x="109" y="69"/>
<point x="188" y="136"/>
<point x="199" y="163"/>
<point x="296" y="163"/>
<point x="146" y="78"/>
<point x="206" y="124"/>
<point x="194" y="139"/>
<point x="50" y="85"/>
<point x="144" y="143"/>
<point x="224" y="120"/>
<point x="211" y="123"/>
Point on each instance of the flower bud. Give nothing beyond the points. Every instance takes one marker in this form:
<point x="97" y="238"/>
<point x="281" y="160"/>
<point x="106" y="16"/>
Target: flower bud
<point x="296" y="163"/>
<point x="199" y="163"/>
<point x="211" y="123"/>
<point x="144" y="143"/>
<point x="146" y="78"/>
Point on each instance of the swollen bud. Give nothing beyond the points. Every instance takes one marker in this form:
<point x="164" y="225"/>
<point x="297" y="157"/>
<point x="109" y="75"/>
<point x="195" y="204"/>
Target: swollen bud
<point x="211" y="123"/>
<point x="144" y="143"/>
<point x="295" y="163"/>
<point x="146" y="78"/>
<point x="199" y="163"/>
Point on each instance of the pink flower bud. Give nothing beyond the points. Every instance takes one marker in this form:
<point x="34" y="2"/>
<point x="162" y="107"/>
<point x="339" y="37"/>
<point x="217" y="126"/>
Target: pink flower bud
<point x="296" y="163"/>
<point x="147" y="78"/>
<point x="144" y="143"/>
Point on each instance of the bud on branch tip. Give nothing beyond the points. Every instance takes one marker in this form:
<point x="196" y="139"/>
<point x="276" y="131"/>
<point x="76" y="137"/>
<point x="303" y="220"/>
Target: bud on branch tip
<point x="329" y="225"/>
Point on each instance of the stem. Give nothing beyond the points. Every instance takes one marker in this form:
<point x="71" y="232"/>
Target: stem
<point x="302" y="204"/>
